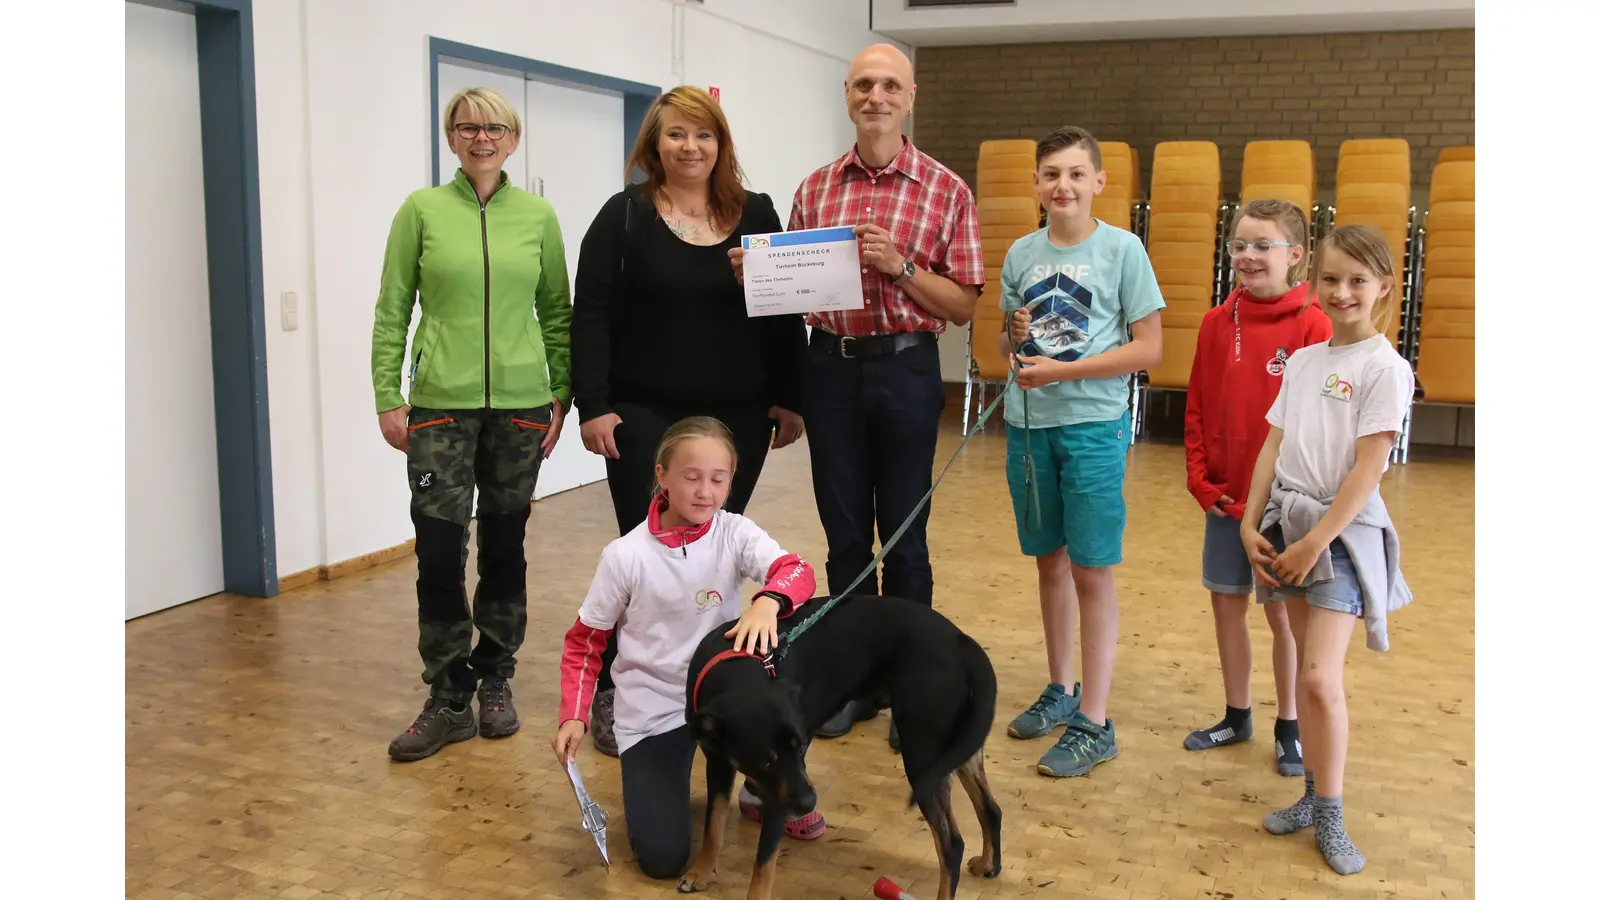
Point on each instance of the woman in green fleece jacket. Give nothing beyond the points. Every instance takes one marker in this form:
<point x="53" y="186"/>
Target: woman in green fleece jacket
<point x="490" y="382"/>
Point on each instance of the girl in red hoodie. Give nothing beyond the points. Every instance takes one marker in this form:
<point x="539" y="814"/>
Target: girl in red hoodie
<point x="1238" y="368"/>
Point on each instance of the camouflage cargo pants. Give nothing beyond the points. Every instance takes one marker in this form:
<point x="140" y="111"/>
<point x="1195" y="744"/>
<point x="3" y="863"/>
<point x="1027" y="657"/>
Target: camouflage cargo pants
<point x="450" y="453"/>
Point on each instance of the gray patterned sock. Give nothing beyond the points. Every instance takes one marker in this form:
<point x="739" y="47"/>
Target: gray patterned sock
<point x="1335" y="844"/>
<point x="1296" y="817"/>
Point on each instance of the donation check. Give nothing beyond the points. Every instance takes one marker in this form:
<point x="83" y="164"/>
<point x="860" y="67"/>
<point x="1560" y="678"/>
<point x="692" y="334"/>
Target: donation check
<point x="812" y="270"/>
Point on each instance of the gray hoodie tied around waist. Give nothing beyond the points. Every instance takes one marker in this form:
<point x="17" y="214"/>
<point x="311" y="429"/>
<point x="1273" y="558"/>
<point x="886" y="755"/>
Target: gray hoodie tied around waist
<point x="1372" y="543"/>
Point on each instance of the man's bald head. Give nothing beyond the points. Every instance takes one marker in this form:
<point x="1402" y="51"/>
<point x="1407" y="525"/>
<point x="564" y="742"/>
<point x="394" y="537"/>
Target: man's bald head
<point x="879" y="90"/>
<point x="883" y="56"/>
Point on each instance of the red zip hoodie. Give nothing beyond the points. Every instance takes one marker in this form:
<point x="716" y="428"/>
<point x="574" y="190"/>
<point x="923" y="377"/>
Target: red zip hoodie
<point x="1238" y="369"/>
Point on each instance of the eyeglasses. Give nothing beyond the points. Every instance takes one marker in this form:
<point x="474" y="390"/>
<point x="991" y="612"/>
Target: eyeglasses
<point x="470" y="131"/>
<point x="1236" y="247"/>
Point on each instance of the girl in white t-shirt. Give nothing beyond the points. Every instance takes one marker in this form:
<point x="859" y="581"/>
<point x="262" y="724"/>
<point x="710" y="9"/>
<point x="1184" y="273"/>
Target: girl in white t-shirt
<point x="1315" y="527"/>
<point x="669" y="582"/>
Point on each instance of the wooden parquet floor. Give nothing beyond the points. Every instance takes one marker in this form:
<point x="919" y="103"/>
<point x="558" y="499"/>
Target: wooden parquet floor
<point x="256" y="731"/>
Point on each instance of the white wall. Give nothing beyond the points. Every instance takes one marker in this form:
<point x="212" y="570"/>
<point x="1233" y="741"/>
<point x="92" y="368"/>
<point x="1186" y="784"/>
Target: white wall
<point x="1058" y="20"/>
<point x="344" y="131"/>
<point x="173" y="515"/>
<point x="293" y="374"/>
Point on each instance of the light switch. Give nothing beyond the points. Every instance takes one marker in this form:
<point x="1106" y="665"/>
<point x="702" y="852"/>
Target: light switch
<point x="291" y="311"/>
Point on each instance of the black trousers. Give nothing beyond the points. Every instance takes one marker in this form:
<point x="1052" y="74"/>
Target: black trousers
<point x="450" y="454"/>
<point x="655" y="800"/>
<point x="631" y="477"/>
<point x="873" y="427"/>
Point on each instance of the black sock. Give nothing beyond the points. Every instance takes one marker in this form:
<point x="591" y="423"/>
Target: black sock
<point x="1234" y="728"/>
<point x="1286" y="742"/>
<point x="1236" y="717"/>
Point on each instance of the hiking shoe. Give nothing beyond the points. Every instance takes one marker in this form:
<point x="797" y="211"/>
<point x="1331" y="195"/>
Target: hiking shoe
<point x="1053" y="709"/>
<point x="1083" y="746"/>
<point x="496" y="716"/>
<point x="436" y="726"/>
<point x="602" y="719"/>
<point x="846" y="718"/>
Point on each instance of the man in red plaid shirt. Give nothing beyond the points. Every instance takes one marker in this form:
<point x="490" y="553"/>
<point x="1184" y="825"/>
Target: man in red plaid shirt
<point x="873" y="394"/>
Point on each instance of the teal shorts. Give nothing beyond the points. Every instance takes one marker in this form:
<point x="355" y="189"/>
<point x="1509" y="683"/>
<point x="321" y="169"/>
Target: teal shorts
<point x="1079" y="471"/>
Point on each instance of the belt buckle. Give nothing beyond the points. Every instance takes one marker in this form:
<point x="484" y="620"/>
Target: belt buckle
<point x="844" y="346"/>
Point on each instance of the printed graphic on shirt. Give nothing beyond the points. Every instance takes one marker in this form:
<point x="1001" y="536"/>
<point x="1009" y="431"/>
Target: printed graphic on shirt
<point x="1058" y="311"/>
<point x="707" y="599"/>
<point x="1337" y="388"/>
<point x="1278" y="362"/>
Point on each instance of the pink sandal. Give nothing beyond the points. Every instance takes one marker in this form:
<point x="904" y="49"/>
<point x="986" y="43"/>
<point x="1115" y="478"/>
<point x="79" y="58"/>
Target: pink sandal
<point x="808" y="827"/>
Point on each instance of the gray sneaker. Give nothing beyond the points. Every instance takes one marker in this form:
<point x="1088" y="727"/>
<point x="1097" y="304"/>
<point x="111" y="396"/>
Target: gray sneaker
<point x="496" y="716"/>
<point x="601" y="720"/>
<point x="1051" y="711"/>
<point x="436" y="726"/>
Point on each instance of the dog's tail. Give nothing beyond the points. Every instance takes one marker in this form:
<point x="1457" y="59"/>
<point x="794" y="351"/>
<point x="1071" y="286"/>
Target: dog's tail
<point x="972" y="725"/>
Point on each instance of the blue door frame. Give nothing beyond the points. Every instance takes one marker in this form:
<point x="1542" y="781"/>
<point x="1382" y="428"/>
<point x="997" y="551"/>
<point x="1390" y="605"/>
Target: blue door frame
<point x="225" y="41"/>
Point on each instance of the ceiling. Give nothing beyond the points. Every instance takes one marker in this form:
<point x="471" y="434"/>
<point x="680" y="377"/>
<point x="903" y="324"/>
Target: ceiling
<point x="1200" y="26"/>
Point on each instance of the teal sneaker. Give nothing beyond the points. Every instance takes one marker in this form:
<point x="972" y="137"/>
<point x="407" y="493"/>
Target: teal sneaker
<point x="1083" y="746"/>
<point x="1053" y="709"/>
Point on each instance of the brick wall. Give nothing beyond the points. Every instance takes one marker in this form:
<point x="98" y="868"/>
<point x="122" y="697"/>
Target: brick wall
<point x="1320" y="88"/>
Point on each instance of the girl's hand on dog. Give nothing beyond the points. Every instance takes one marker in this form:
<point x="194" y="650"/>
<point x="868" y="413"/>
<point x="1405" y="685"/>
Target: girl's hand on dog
<point x="757" y="629"/>
<point x="567" y="740"/>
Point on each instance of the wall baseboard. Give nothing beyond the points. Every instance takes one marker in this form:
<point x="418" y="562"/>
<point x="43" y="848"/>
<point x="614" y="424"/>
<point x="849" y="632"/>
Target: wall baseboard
<point x="347" y="567"/>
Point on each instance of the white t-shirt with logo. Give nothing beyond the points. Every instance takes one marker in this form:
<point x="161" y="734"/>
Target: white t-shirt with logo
<point x="1331" y="397"/>
<point x="663" y="600"/>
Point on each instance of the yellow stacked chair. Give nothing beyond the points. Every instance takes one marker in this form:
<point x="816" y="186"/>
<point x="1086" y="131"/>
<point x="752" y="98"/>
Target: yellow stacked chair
<point x="1445" y="338"/>
<point x="1285" y="170"/>
<point x="1006" y="213"/>
<point x="1005" y="169"/>
<point x="1116" y="202"/>
<point x="1374" y="188"/>
<point x="1457" y="154"/>
<point x="1185" y="211"/>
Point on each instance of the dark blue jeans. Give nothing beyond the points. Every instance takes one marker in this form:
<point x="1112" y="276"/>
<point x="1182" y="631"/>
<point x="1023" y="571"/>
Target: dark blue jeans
<point x="873" y="426"/>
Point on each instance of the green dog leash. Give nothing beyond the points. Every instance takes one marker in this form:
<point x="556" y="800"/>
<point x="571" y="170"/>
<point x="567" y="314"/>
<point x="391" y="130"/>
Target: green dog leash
<point x="1030" y="509"/>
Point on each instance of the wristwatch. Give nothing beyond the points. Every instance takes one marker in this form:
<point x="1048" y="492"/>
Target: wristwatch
<point x="908" y="271"/>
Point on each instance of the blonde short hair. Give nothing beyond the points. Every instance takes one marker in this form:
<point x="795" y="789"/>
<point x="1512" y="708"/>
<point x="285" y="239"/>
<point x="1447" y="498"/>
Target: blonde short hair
<point x="485" y="104"/>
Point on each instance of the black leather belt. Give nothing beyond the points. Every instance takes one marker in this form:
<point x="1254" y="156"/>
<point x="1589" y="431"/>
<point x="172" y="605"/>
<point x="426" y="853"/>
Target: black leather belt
<point x="867" y="346"/>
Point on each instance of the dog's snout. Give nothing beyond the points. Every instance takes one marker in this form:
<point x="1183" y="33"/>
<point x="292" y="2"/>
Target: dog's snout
<point x="803" y="799"/>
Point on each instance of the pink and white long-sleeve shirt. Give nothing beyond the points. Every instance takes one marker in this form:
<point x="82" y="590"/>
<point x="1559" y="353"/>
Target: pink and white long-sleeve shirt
<point x="666" y="589"/>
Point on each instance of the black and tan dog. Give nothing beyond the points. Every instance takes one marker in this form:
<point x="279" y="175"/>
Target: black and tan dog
<point x="757" y="719"/>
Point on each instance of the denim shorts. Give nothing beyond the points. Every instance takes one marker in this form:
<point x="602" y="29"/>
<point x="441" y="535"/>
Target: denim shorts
<point x="1079" y="470"/>
<point x="1342" y="594"/>
<point x="1224" y="566"/>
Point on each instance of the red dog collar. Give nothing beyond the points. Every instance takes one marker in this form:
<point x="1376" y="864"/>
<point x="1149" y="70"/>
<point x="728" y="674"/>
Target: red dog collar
<point x="766" y="663"/>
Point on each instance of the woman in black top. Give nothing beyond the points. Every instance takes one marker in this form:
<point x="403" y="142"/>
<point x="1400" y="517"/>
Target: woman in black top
<point x="659" y="328"/>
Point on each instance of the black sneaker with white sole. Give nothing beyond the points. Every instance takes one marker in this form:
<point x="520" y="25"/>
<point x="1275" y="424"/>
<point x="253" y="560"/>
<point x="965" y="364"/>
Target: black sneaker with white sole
<point x="437" y="726"/>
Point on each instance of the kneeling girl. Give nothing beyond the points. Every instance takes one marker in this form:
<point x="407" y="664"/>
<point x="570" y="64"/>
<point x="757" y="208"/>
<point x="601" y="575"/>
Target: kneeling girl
<point x="668" y="583"/>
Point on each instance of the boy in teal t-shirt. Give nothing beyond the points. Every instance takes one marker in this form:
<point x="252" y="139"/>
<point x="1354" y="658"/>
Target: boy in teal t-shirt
<point x="1084" y="310"/>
